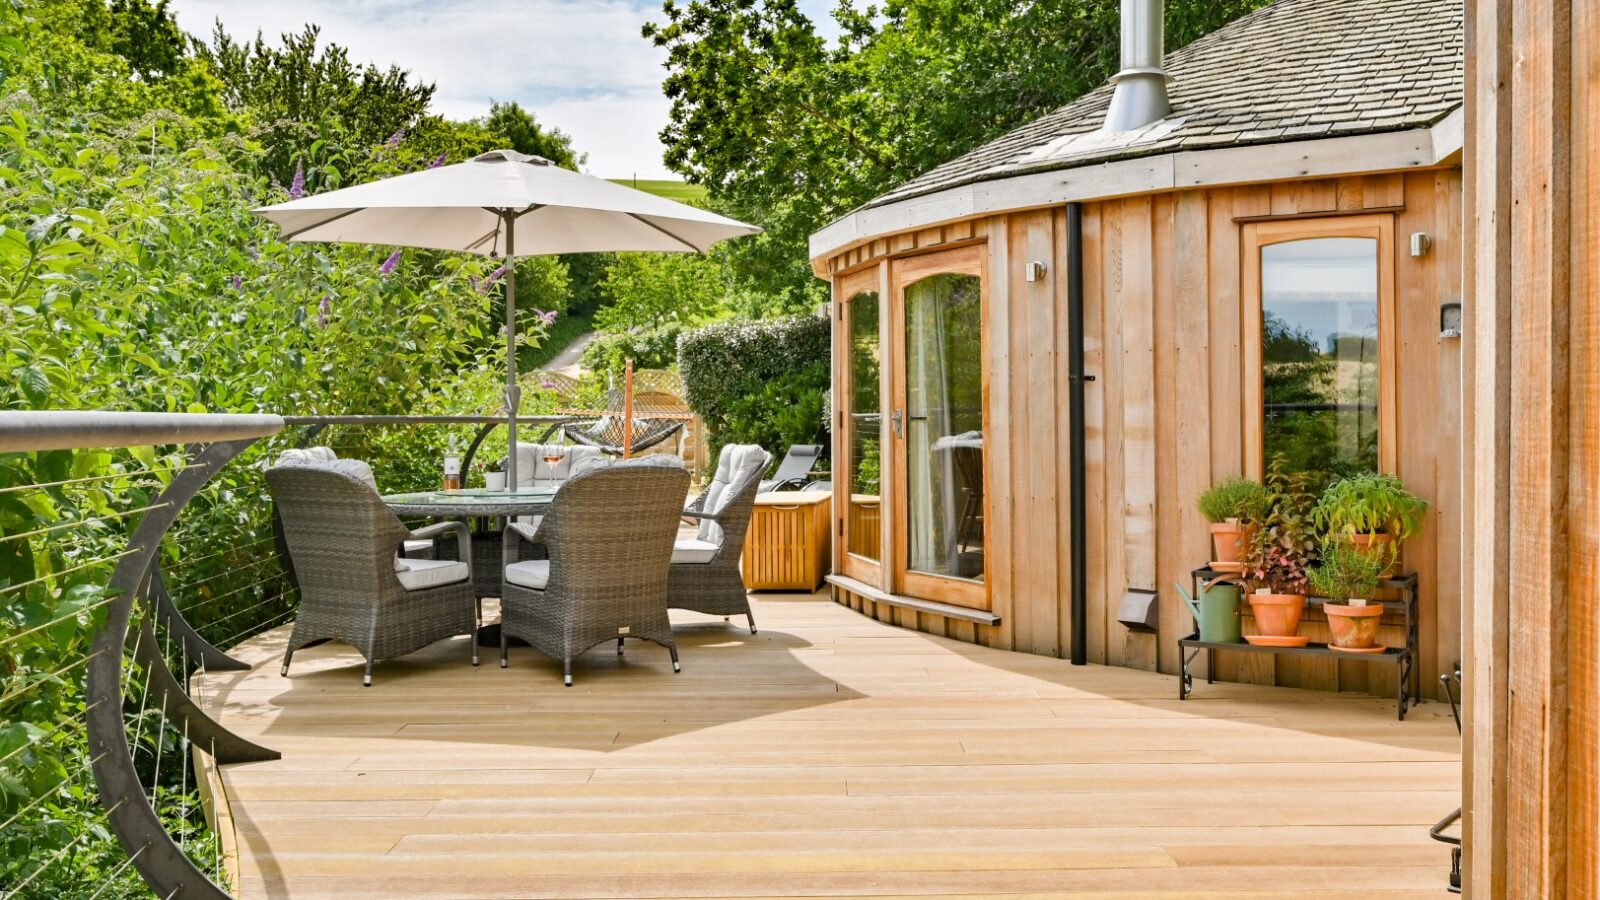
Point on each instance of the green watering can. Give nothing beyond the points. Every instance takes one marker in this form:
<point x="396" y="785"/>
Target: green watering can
<point x="1217" y="612"/>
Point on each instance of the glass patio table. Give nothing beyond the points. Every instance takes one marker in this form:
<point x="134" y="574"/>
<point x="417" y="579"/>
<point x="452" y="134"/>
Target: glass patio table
<point x="478" y="503"/>
<point x="473" y="502"/>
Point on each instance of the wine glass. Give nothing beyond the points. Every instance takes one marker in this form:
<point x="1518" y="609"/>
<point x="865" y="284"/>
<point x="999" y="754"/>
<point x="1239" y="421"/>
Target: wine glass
<point x="552" y="460"/>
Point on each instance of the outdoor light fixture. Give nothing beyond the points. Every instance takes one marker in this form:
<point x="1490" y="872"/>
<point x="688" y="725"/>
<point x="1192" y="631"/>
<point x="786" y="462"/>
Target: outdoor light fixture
<point x="1449" y="320"/>
<point x="1034" y="271"/>
<point x="1420" y="242"/>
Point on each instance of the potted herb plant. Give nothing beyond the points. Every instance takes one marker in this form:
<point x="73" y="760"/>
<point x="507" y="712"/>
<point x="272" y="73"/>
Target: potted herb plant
<point x="1349" y="573"/>
<point x="1280" y="554"/>
<point x="1373" y="512"/>
<point x="1234" y="508"/>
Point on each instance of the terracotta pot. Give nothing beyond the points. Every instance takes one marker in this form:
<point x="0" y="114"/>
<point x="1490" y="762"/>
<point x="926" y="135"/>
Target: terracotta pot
<point x="1277" y="615"/>
<point x="1381" y="545"/>
<point x="1353" y="627"/>
<point x="1230" y="540"/>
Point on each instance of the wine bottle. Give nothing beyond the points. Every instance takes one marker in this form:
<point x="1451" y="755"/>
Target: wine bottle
<point x="452" y="467"/>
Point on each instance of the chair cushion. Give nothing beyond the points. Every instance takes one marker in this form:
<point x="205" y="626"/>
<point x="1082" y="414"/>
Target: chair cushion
<point x="429" y="573"/>
<point x="533" y="471"/>
<point x="693" y="550"/>
<point x="530" y="573"/>
<point x="301" y="455"/>
<point x="736" y="462"/>
<point x="322" y="457"/>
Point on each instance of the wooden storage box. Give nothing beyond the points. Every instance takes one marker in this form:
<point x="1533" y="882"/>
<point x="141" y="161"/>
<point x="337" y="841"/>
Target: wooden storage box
<point x="789" y="543"/>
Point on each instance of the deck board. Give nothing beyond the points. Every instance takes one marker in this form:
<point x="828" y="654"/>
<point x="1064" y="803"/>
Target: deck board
<point x="828" y="755"/>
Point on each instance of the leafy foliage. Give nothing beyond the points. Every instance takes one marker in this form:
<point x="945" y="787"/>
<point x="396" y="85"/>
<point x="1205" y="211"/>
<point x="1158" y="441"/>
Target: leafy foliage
<point x="758" y="382"/>
<point x="1346" y="572"/>
<point x="656" y="348"/>
<point x="1370" y="503"/>
<point x="650" y="290"/>
<point x="1285" y="545"/>
<point x="1236" y="498"/>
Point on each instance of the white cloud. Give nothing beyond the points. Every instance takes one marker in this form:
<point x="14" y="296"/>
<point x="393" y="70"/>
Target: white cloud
<point x="580" y="65"/>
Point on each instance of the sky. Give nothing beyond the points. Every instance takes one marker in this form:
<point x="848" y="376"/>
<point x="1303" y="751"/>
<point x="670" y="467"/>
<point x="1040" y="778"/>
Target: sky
<point x="579" y="65"/>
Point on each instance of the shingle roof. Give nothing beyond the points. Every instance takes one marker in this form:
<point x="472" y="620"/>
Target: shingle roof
<point x="1295" y="70"/>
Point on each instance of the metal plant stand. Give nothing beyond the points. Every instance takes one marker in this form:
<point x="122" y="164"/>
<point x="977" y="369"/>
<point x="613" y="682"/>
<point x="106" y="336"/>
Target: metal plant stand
<point x="1402" y="658"/>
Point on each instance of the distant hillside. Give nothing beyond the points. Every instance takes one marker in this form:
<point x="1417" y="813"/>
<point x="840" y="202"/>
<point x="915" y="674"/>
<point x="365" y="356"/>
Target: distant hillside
<point x="672" y="190"/>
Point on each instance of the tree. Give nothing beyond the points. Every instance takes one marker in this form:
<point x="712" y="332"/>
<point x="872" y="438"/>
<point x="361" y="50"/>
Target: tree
<point x="791" y="132"/>
<point x="301" y="96"/>
<point x="649" y="290"/>
<point x="523" y="133"/>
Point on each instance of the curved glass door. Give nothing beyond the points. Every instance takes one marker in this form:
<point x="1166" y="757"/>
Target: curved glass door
<point x="944" y="426"/>
<point x="937" y="424"/>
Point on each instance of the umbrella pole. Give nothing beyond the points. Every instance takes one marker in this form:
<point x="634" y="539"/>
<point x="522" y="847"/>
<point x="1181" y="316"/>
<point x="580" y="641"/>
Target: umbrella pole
<point x="513" y="392"/>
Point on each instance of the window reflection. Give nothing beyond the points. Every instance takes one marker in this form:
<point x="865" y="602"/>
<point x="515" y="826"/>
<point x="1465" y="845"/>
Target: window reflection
<point x="862" y="532"/>
<point x="944" y="426"/>
<point x="1319" y="316"/>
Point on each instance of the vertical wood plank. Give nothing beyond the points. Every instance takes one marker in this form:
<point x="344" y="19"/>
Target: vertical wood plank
<point x="999" y="536"/>
<point x="1041" y="476"/>
<point x="1192" y="390"/>
<point x="1139" y="407"/>
<point x="1094" y="430"/>
<point x="1114" y="518"/>
<point x="1485" y="572"/>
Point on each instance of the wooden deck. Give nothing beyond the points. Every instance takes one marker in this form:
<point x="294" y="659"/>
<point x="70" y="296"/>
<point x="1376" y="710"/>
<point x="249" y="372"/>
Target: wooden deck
<point x="829" y="755"/>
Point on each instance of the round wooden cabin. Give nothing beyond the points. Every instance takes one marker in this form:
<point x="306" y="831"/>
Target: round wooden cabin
<point x="1269" y="266"/>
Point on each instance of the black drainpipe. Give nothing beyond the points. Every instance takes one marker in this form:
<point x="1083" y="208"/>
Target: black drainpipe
<point x="1076" y="379"/>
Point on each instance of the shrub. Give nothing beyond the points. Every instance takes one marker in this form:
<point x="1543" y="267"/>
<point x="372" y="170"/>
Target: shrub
<point x="758" y="382"/>
<point x="656" y="348"/>
<point x="1283" y="548"/>
<point x="1236" y="498"/>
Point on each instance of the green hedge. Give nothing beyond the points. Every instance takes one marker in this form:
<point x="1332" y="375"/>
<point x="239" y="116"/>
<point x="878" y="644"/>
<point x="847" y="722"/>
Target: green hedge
<point x="655" y="348"/>
<point x="759" y="382"/>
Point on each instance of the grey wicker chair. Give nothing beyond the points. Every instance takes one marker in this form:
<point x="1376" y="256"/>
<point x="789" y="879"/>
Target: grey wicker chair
<point x="344" y="542"/>
<point x="705" y="569"/>
<point x="609" y="536"/>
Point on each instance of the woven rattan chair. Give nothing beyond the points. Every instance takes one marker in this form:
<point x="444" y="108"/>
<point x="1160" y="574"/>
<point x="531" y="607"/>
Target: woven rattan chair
<point x="705" y="569"/>
<point x="344" y="542"/>
<point x="609" y="537"/>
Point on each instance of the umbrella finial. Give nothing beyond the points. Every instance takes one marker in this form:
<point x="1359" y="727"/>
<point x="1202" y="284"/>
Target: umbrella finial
<point x="512" y="156"/>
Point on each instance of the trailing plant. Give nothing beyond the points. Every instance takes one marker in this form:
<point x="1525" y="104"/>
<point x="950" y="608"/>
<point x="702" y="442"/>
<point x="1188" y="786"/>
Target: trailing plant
<point x="1345" y="572"/>
<point x="1284" y="547"/>
<point x="1242" y="499"/>
<point x="1370" y="503"/>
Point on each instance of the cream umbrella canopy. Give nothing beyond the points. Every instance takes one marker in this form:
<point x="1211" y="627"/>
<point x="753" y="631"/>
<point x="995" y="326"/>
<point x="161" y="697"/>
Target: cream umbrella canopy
<point x="486" y="206"/>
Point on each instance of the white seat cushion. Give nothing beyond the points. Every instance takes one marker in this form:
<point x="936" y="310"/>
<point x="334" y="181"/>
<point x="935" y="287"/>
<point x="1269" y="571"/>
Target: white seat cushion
<point x="693" y="550"/>
<point x="429" y="573"/>
<point x="533" y="574"/>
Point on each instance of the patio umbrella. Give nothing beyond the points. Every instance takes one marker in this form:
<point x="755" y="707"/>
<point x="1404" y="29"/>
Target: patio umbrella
<point x="485" y="205"/>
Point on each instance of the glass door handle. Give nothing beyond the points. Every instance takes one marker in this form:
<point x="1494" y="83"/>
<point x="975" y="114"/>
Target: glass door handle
<point x="898" y="417"/>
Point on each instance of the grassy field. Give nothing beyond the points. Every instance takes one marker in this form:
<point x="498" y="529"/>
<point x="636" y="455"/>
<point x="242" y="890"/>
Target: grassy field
<point x="672" y="190"/>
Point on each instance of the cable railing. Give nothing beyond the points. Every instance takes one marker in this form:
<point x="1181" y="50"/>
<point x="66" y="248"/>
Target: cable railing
<point x="135" y="550"/>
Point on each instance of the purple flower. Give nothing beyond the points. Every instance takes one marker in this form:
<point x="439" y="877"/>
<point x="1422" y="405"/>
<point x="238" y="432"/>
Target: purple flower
<point x="254" y="251"/>
<point x="390" y="264"/>
<point x="395" y="139"/>
<point x="548" y="317"/>
<point x="548" y="385"/>
<point x="439" y="161"/>
<point x="484" y="285"/>
<point x="297" y="187"/>
<point x="238" y="282"/>
<point x="323" y="309"/>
